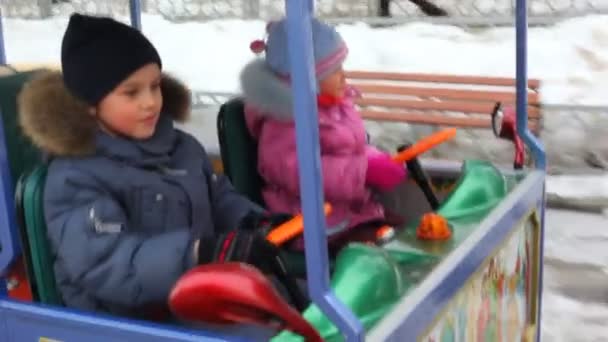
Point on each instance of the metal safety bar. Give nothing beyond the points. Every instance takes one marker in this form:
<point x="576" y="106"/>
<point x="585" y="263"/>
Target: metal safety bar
<point x="301" y="58"/>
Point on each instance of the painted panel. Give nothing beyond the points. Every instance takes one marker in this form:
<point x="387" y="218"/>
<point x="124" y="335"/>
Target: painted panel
<point x="498" y="303"/>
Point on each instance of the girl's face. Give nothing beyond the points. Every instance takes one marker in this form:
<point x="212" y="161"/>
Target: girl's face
<point x="132" y="109"/>
<point x="334" y="84"/>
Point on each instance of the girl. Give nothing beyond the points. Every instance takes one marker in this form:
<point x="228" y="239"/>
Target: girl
<point x="351" y="168"/>
<point x="130" y="202"/>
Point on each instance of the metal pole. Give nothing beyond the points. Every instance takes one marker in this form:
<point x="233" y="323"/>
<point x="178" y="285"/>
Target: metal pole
<point x="9" y="241"/>
<point x="521" y="30"/>
<point x="304" y="87"/>
<point x="535" y="146"/>
<point x="135" y="11"/>
<point x="2" y="49"/>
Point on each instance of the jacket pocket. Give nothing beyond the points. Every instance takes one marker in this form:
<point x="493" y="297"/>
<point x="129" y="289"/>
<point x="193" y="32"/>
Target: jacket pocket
<point x="151" y="210"/>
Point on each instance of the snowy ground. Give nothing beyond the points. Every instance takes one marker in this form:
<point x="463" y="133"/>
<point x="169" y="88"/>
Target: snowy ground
<point x="575" y="301"/>
<point x="571" y="59"/>
<point x="589" y="192"/>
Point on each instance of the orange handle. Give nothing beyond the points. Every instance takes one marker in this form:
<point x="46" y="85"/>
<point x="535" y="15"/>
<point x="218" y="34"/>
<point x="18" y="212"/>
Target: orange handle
<point x="291" y="228"/>
<point x="424" y="145"/>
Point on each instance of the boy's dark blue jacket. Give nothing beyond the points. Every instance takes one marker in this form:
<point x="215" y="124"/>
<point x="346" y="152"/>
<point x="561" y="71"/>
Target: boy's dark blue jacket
<point x="121" y="214"/>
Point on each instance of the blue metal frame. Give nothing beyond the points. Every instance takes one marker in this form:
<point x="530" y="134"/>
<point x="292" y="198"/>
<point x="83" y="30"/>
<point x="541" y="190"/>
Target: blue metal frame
<point x="535" y="146"/>
<point x="2" y="166"/>
<point x="9" y="242"/>
<point x="28" y="320"/>
<point x="311" y="183"/>
<point x="521" y="47"/>
<point x="2" y="48"/>
<point x="135" y="12"/>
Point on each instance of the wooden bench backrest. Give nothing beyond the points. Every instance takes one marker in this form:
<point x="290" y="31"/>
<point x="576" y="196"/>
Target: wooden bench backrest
<point x="435" y="99"/>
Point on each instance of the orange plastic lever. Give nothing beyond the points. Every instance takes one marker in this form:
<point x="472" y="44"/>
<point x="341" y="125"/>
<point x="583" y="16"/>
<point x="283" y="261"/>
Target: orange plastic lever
<point x="291" y="228"/>
<point x="424" y="145"/>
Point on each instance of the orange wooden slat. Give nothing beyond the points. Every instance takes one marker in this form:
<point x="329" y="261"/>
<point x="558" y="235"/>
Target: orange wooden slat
<point x="430" y="119"/>
<point x="456" y="106"/>
<point x="447" y="93"/>
<point x="426" y="119"/>
<point x="438" y="78"/>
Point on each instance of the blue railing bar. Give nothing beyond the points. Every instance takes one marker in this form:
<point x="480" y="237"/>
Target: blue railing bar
<point x="135" y="11"/>
<point x="9" y="242"/>
<point x="541" y="257"/>
<point x="9" y="246"/>
<point x="521" y="43"/>
<point x="534" y="144"/>
<point x="2" y="48"/>
<point x="307" y="136"/>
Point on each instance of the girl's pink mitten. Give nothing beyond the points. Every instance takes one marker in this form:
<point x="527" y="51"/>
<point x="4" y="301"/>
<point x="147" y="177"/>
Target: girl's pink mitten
<point x="382" y="172"/>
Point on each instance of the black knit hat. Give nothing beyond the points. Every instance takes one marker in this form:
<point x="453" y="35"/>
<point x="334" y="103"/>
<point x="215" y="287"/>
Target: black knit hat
<point x="97" y="54"/>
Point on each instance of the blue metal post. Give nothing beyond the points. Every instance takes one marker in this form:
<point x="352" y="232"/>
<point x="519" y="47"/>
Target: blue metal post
<point x="9" y="241"/>
<point x="135" y="11"/>
<point x="521" y="23"/>
<point x="304" y="85"/>
<point x="9" y="246"/>
<point x="541" y="256"/>
<point x="2" y="49"/>
<point x="535" y="146"/>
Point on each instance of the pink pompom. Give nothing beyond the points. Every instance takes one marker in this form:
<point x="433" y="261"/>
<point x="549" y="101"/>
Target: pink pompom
<point x="257" y="46"/>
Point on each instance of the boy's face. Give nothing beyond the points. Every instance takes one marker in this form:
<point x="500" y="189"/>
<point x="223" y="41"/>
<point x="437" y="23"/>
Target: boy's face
<point x="334" y="84"/>
<point x="132" y="109"/>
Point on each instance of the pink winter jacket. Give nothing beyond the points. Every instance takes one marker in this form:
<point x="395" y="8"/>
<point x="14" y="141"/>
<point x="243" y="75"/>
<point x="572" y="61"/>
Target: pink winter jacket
<point x="343" y="150"/>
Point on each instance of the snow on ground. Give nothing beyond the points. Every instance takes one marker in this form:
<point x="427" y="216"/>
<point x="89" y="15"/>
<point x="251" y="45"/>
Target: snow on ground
<point x="579" y="191"/>
<point x="570" y="58"/>
<point x="575" y="301"/>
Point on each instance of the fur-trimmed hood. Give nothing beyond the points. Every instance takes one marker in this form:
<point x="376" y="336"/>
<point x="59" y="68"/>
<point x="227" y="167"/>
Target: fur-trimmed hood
<point x="271" y="96"/>
<point x="59" y="123"/>
<point x="264" y="90"/>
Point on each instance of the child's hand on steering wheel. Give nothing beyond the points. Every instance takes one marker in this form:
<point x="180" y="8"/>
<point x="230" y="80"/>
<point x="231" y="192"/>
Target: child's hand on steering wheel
<point x="247" y="243"/>
<point x="382" y="172"/>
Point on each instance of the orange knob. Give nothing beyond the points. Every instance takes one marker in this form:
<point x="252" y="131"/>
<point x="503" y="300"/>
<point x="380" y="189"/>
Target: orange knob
<point x="433" y="227"/>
